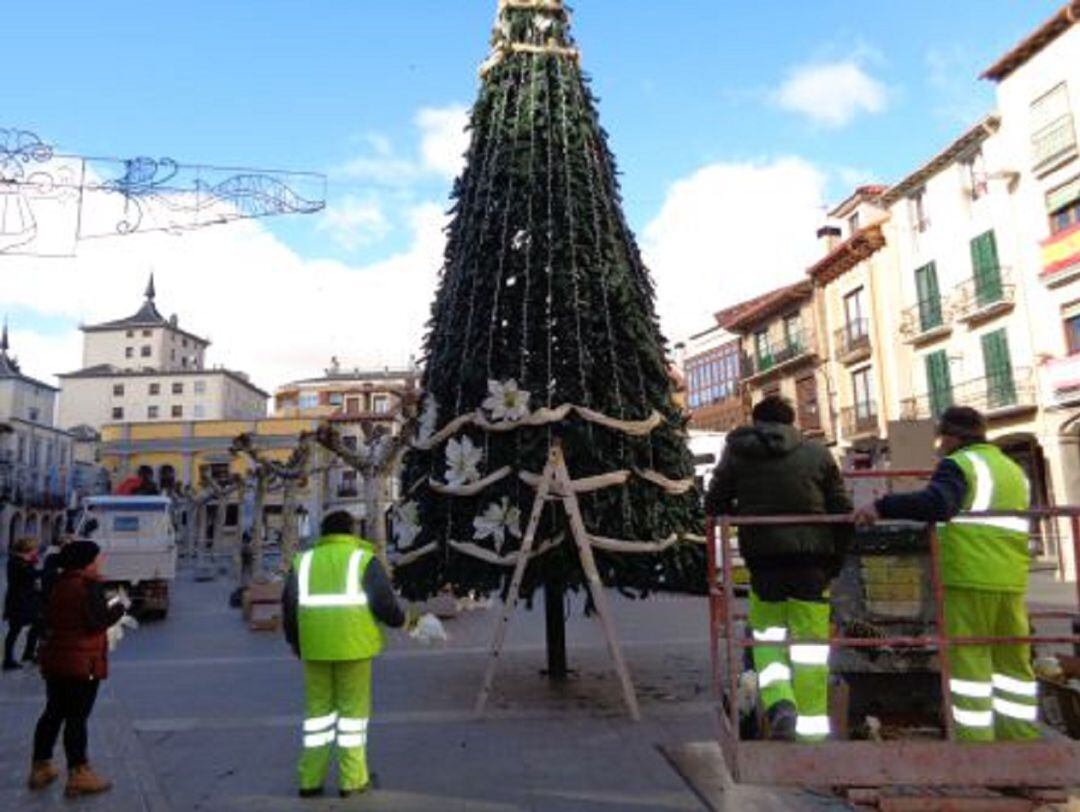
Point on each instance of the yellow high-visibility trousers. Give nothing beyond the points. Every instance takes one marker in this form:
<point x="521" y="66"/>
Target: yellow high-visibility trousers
<point x="337" y="709"/>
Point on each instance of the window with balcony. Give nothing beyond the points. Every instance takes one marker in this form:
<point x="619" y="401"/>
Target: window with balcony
<point x="926" y="288"/>
<point x="855" y="334"/>
<point x="1072" y="334"/>
<point x="152" y="412"/>
<point x="762" y="351"/>
<point x="1000" y="383"/>
<point x="155" y="389"/>
<point x="1053" y="134"/>
<point x="862" y="386"/>
<point x="974" y="170"/>
<point x="987" y="270"/>
<point x="938" y="382"/>
<point x="917" y="203"/>
<point x="1063" y="206"/>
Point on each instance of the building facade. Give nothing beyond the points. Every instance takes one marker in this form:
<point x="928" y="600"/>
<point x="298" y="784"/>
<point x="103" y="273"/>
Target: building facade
<point x="360" y="405"/>
<point x="35" y="456"/>
<point x="146" y="368"/>
<point x="783" y="348"/>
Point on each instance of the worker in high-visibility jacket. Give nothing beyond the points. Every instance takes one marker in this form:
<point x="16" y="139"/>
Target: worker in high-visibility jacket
<point x="334" y="599"/>
<point x="984" y="568"/>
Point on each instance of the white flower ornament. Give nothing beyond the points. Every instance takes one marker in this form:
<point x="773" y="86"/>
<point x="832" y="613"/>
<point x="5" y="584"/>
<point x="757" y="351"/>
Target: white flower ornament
<point x="406" y="523"/>
<point x="505" y="401"/>
<point x="462" y="461"/>
<point x="498" y="520"/>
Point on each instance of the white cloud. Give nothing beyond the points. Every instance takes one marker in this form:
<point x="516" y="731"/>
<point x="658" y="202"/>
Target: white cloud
<point x="353" y="223"/>
<point x="268" y="311"/>
<point x="729" y="232"/>
<point x="443" y="141"/>
<point x="832" y="94"/>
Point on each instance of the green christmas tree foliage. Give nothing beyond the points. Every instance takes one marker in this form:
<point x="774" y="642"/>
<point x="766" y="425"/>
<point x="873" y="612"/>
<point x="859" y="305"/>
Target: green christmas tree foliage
<point x="543" y="302"/>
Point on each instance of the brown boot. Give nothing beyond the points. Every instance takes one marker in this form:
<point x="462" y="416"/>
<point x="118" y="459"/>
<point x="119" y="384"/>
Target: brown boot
<point x="84" y="781"/>
<point x="42" y="773"/>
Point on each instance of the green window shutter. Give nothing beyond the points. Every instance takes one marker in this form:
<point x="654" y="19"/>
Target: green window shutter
<point x="1000" y="386"/>
<point x="984" y="261"/>
<point x="926" y="286"/>
<point x="939" y="382"/>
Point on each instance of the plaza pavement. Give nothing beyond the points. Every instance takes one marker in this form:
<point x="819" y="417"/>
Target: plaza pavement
<point x="202" y="714"/>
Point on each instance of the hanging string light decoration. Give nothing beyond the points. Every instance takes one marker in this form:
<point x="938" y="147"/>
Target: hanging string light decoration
<point x="544" y="330"/>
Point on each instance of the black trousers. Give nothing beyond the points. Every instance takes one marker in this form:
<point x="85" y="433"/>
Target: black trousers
<point x="12" y="637"/>
<point x="68" y="705"/>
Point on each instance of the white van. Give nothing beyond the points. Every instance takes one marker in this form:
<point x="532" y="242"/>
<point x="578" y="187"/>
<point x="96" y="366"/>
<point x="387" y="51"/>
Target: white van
<point x="707" y="447"/>
<point x="138" y="540"/>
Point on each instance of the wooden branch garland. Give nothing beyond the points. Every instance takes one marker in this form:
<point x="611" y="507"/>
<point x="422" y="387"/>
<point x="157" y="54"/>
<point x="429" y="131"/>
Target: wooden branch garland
<point x="472" y="488"/>
<point x="675" y="487"/>
<point x="623" y="546"/>
<point x="583" y="485"/>
<point x="508" y="560"/>
<point x="413" y="555"/>
<point x="541" y="417"/>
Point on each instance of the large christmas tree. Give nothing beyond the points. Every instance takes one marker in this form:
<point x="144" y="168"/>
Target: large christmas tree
<point x="544" y="329"/>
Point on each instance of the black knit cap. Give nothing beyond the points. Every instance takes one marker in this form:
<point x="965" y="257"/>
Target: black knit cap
<point x="77" y="554"/>
<point x="962" y="422"/>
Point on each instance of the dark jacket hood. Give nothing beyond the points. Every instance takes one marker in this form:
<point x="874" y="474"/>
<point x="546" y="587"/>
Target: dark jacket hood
<point x="764" y="440"/>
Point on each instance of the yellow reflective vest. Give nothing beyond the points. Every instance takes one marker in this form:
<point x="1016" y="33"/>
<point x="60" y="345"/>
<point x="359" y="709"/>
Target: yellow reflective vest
<point x="334" y="619"/>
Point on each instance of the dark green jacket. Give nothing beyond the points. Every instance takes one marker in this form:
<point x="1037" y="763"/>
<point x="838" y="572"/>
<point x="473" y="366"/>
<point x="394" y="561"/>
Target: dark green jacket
<point x="769" y="469"/>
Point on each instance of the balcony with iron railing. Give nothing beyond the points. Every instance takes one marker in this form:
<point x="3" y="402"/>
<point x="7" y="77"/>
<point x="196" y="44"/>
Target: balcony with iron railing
<point x="1053" y="144"/>
<point x="852" y="341"/>
<point x="1002" y="395"/>
<point x="980" y="299"/>
<point x="860" y="420"/>
<point x="926" y="321"/>
<point x="788" y="352"/>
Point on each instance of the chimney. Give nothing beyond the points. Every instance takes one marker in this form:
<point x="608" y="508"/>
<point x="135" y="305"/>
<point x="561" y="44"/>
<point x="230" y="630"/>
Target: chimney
<point x="828" y="239"/>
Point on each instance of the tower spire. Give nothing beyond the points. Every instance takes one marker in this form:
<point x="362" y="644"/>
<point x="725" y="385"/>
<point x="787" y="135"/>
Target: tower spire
<point x="150" y="293"/>
<point x="4" y="338"/>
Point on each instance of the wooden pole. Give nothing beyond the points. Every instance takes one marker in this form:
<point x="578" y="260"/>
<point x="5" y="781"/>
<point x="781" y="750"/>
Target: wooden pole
<point x="515" y="582"/>
<point x="555" y="627"/>
<point x="592" y="579"/>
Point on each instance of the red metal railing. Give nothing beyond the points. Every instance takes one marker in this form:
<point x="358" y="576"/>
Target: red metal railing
<point x="723" y="615"/>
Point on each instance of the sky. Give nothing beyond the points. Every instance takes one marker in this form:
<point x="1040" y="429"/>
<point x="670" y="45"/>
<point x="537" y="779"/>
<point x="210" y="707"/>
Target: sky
<point x="735" y="126"/>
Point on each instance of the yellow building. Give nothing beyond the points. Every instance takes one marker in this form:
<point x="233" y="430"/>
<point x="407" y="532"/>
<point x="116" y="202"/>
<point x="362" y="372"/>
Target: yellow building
<point x="184" y="453"/>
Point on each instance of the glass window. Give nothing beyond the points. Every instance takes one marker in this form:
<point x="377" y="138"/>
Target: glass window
<point x="130" y="334"/>
<point x="200" y="387"/>
<point x="926" y="286"/>
<point x="117" y="413"/>
<point x="918" y="211"/>
<point x="335" y="399"/>
<point x="129" y="352"/>
<point x="1072" y="334"/>
<point x="987" y="269"/>
<point x="200" y="410"/>
<point x="380" y="404"/>
<point x="152" y="412"/>
<point x="32" y="414"/>
<point x="118" y="390"/>
<point x="155" y="389"/>
<point x="177" y="411"/>
<point x="177" y="388"/>
<point x="309" y="400"/>
<point x="853" y="224"/>
<point x="863" y="388"/>
<point x="146" y="333"/>
<point x="144" y="351"/>
<point x="1053" y="135"/>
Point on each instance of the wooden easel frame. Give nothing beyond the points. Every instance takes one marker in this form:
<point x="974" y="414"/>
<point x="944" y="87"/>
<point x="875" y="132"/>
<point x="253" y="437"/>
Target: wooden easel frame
<point x="555" y="484"/>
